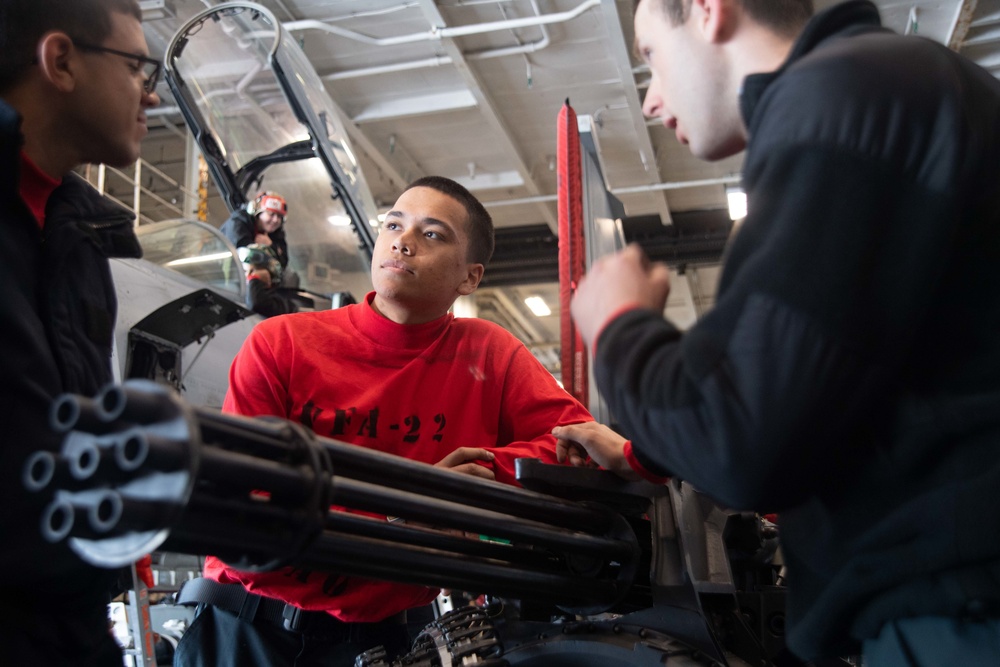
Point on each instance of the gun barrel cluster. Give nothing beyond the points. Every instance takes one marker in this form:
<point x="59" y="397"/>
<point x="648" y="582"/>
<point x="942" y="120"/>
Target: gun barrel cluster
<point x="140" y="470"/>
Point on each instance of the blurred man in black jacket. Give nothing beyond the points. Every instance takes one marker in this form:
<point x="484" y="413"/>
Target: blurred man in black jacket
<point x="848" y="376"/>
<point x="75" y="83"/>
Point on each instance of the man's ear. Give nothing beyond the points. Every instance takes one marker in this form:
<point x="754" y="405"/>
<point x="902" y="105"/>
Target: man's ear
<point x="472" y="279"/>
<point x="715" y="19"/>
<point x="58" y="60"/>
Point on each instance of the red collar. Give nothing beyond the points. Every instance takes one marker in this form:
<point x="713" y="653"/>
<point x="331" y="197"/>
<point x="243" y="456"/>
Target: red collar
<point x="384" y="331"/>
<point x="36" y="186"/>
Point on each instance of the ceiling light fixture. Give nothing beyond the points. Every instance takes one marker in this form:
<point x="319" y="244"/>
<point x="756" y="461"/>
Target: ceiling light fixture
<point x="737" y="203"/>
<point x="538" y="306"/>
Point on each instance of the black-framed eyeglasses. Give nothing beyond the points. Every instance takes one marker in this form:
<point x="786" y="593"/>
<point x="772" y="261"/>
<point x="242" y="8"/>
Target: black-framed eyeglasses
<point x="151" y="68"/>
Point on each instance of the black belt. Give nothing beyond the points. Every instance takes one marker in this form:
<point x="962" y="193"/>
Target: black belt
<point x="252" y="608"/>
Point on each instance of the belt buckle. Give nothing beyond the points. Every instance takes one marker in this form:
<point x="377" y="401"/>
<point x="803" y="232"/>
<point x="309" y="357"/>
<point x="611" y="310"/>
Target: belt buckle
<point x="291" y="618"/>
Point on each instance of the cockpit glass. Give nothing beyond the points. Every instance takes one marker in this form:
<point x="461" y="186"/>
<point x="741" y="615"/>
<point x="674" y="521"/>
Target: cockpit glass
<point x="239" y="72"/>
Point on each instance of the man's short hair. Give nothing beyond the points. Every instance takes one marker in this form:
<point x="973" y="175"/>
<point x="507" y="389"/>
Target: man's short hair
<point x="481" y="235"/>
<point x="785" y="17"/>
<point x="24" y="22"/>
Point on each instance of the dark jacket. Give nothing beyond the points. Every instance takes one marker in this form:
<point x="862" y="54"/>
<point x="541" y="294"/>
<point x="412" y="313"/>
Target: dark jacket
<point x="57" y="313"/>
<point x="240" y="229"/>
<point x="849" y="374"/>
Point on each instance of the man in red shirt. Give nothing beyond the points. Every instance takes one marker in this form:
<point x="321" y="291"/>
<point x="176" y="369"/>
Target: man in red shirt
<point x="397" y="373"/>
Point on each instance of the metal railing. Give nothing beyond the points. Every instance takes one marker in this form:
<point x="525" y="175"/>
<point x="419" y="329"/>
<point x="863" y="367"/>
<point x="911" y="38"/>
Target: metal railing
<point x="151" y="202"/>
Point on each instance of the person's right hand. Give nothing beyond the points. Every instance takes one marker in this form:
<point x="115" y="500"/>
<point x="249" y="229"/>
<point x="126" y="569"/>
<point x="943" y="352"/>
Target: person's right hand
<point x="464" y="460"/>
<point x="604" y="446"/>
<point x="262" y="239"/>
<point x="615" y="282"/>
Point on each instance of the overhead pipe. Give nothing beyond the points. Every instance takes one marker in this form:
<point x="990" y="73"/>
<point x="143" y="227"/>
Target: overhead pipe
<point x="436" y="33"/>
<point x="678" y="185"/>
<point x="520" y="49"/>
<point x="652" y="187"/>
<point x="438" y="61"/>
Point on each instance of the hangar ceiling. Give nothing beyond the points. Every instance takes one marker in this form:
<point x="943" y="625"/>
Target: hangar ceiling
<point x="471" y="89"/>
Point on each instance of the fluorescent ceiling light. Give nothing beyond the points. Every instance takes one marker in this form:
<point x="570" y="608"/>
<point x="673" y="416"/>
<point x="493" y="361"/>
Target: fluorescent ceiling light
<point x="464" y="306"/>
<point x="339" y="220"/>
<point x="538" y="306"/>
<point x="201" y="258"/>
<point x="737" y="203"/>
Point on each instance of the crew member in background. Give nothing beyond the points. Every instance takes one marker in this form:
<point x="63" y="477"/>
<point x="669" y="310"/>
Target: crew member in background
<point x="261" y="223"/>
<point x="258" y="232"/>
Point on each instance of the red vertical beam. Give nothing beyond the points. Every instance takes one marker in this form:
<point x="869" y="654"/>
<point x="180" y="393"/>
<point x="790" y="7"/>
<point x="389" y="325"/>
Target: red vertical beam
<point x="572" y="264"/>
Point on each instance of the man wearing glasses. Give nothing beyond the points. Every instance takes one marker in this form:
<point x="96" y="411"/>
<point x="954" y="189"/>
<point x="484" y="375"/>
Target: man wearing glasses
<point x="75" y="83"/>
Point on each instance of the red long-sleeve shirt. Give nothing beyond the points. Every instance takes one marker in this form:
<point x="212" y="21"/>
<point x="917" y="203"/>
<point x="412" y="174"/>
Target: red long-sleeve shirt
<point x="418" y="391"/>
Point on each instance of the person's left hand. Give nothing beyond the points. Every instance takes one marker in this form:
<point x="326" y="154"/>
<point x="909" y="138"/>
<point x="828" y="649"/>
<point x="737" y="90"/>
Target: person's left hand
<point x="463" y="460"/>
<point x="262" y="239"/>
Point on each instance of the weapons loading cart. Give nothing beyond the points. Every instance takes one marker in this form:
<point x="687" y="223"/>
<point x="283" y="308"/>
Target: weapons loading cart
<point x="582" y="568"/>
